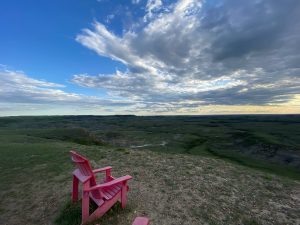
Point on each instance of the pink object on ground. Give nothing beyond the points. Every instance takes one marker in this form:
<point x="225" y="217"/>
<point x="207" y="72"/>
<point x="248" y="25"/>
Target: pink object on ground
<point x="105" y="194"/>
<point x="141" y="221"/>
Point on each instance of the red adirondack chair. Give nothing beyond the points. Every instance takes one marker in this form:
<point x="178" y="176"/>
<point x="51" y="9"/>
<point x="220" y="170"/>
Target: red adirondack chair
<point x="105" y="194"/>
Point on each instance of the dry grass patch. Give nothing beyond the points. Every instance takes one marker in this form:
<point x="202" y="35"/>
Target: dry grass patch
<point x="168" y="188"/>
<point x="183" y="189"/>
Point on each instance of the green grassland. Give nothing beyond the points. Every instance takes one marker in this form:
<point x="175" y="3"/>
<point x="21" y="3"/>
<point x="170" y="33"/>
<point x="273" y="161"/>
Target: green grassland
<point x="267" y="142"/>
<point x="186" y="169"/>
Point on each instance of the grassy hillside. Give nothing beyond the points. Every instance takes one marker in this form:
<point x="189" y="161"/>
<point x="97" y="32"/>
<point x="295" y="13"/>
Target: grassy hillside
<point x="267" y="142"/>
<point x="195" y="172"/>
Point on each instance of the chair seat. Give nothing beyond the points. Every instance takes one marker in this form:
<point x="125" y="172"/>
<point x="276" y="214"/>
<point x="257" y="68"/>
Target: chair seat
<point x="98" y="201"/>
<point x="108" y="193"/>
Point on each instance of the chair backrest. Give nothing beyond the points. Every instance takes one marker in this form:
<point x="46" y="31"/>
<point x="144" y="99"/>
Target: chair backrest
<point x="84" y="166"/>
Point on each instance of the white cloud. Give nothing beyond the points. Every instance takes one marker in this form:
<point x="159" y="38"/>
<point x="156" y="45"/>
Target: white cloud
<point x="186" y="53"/>
<point x="135" y="2"/>
<point x="15" y="86"/>
<point x="185" y="57"/>
<point x="22" y="94"/>
<point x="226" y="53"/>
<point x="109" y="18"/>
<point x="10" y="78"/>
<point x="152" y="6"/>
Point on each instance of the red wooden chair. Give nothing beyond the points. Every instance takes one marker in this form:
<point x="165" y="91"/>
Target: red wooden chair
<point x="105" y="194"/>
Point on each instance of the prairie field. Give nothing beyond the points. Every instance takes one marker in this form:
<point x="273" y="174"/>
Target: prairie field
<point x="186" y="169"/>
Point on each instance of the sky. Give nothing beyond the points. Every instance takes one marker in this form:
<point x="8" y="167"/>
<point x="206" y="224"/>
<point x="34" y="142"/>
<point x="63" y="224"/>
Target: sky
<point x="149" y="57"/>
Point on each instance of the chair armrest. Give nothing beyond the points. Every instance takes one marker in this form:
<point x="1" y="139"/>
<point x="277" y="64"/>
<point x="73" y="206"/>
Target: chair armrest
<point x="102" y="169"/>
<point x="110" y="183"/>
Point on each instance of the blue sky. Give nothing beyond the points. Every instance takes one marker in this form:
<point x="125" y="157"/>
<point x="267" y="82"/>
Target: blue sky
<point x="39" y="37"/>
<point x="149" y="57"/>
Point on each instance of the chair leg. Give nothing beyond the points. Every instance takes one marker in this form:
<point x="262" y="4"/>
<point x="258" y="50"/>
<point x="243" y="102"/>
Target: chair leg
<point x="75" y="189"/>
<point x="123" y="195"/>
<point x="85" y="207"/>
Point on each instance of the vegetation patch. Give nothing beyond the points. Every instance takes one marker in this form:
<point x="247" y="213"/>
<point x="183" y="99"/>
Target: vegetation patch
<point x="77" y="135"/>
<point x="201" y="176"/>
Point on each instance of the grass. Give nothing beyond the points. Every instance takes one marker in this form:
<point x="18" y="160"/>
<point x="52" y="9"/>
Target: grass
<point x="197" y="184"/>
<point x="77" y="135"/>
<point x="240" y="159"/>
<point x="70" y="214"/>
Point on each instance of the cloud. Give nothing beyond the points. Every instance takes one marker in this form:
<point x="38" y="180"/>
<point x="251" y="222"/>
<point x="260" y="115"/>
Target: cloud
<point x="226" y="52"/>
<point x="135" y="2"/>
<point x="109" y="18"/>
<point x="152" y="6"/>
<point x="21" y="93"/>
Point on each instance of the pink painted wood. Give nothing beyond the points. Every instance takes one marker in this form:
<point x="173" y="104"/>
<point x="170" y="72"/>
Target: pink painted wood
<point x="141" y="221"/>
<point x="105" y="194"/>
